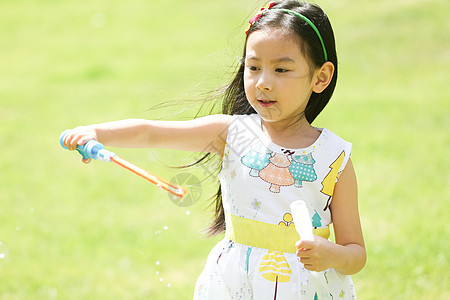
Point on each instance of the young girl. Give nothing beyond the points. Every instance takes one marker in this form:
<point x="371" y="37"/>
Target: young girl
<point x="271" y="156"/>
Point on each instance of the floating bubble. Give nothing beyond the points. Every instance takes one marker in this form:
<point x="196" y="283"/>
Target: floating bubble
<point x="98" y="20"/>
<point x="53" y="293"/>
<point x="169" y="285"/>
<point x="165" y="227"/>
<point x="161" y="279"/>
<point x="3" y="251"/>
<point x="157" y="263"/>
<point x="188" y="212"/>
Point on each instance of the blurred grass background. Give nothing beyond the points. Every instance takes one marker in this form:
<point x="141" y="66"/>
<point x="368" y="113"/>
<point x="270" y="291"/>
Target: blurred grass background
<point x="70" y="231"/>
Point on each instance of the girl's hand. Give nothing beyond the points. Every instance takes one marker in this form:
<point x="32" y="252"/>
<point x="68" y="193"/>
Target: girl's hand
<point x="79" y="136"/>
<point x="315" y="255"/>
<point x="348" y="254"/>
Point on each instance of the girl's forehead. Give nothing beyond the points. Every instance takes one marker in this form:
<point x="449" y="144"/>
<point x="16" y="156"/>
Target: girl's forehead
<point x="272" y="43"/>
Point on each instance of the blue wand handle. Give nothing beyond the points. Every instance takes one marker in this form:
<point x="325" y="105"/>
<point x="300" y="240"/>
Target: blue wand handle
<point x="92" y="149"/>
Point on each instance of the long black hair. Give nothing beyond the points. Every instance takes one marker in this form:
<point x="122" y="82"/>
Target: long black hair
<point x="234" y="100"/>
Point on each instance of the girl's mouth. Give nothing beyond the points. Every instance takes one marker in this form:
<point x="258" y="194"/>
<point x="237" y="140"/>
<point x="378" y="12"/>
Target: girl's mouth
<point x="266" y="103"/>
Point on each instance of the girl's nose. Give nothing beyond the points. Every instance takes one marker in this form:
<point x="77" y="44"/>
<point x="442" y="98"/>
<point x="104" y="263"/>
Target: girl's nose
<point x="264" y="83"/>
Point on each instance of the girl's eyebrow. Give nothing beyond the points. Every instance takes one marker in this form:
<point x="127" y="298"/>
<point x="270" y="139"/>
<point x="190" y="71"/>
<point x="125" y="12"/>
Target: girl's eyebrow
<point x="277" y="60"/>
<point x="283" y="59"/>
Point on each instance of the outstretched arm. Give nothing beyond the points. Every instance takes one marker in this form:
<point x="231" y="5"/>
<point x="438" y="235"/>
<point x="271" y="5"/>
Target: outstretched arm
<point x="206" y="134"/>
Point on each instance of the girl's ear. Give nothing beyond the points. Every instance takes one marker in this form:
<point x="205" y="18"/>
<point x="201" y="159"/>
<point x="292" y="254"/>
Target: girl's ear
<point x="323" y="77"/>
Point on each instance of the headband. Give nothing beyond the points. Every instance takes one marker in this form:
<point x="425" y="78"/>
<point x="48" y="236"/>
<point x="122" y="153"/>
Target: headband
<point x="270" y="4"/>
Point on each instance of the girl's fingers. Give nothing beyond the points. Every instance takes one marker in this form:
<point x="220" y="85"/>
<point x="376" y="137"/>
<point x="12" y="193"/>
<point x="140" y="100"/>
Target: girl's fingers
<point x="77" y="137"/>
<point x="68" y="142"/>
<point x="83" y="140"/>
<point x="74" y="142"/>
<point x="305" y="261"/>
<point x="305" y="245"/>
<point x="303" y="253"/>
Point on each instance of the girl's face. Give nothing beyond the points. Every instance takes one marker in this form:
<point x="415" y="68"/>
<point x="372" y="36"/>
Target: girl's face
<point x="277" y="77"/>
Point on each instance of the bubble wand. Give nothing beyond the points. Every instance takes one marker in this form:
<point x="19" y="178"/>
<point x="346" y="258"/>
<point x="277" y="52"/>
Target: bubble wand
<point x="95" y="150"/>
<point x="302" y="222"/>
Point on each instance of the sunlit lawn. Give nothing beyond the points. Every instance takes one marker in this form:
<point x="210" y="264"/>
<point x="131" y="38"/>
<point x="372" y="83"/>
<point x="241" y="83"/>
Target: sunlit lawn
<point x="71" y="231"/>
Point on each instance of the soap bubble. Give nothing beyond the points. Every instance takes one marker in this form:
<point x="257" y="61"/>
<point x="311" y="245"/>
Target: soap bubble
<point x="3" y="251"/>
<point x="98" y="20"/>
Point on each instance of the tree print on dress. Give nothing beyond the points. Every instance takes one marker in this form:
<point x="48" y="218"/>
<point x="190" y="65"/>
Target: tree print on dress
<point x="279" y="169"/>
<point x="329" y="181"/>
<point x="302" y="169"/>
<point x="256" y="159"/>
<point x="316" y="220"/>
<point x="274" y="266"/>
<point x="277" y="172"/>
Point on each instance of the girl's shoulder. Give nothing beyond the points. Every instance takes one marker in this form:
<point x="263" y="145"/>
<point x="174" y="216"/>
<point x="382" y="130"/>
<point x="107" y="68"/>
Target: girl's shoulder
<point x="332" y="136"/>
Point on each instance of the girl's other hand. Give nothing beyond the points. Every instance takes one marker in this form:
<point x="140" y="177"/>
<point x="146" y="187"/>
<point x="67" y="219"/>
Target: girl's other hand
<point x="315" y="255"/>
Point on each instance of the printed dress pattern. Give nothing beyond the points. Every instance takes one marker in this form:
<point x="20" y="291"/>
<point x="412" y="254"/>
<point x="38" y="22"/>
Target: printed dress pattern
<point x="279" y="169"/>
<point x="274" y="266"/>
<point x="259" y="180"/>
<point x="257" y="159"/>
<point x="302" y="169"/>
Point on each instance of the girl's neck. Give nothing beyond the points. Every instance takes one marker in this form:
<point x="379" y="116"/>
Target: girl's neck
<point x="291" y="134"/>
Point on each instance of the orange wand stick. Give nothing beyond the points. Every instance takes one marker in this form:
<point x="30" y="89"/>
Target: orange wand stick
<point x="95" y="150"/>
<point x="174" y="189"/>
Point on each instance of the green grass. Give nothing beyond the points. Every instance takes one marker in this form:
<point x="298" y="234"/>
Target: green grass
<point x="71" y="231"/>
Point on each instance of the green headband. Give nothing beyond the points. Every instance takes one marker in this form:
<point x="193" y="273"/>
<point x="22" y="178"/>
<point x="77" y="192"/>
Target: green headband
<point x="269" y="5"/>
<point x="310" y="24"/>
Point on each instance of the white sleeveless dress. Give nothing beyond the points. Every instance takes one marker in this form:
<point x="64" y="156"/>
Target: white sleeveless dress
<point x="259" y="180"/>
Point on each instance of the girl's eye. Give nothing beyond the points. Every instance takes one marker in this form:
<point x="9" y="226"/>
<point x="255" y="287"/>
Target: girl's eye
<point x="281" y="70"/>
<point x="252" y="68"/>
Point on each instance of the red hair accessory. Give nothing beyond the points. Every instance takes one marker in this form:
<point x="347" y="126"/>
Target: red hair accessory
<point x="261" y="11"/>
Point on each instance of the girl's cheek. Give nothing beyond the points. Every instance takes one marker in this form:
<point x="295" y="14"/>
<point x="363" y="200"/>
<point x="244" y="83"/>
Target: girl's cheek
<point x="248" y="83"/>
<point x="247" y="78"/>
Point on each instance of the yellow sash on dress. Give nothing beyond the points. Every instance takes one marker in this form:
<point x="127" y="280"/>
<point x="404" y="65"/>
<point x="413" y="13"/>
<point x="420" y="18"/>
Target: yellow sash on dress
<point x="265" y="235"/>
